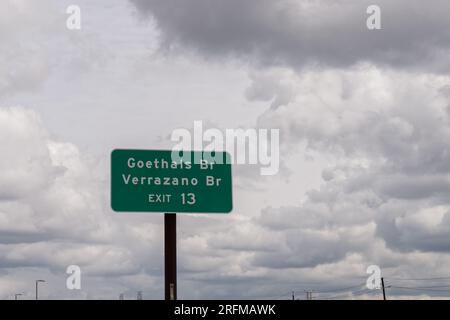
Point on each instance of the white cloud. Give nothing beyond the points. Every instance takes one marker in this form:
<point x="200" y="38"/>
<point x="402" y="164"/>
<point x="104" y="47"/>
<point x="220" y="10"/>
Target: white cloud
<point x="388" y="136"/>
<point x="24" y="65"/>
<point x="364" y="148"/>
<point x="52" y="210"/>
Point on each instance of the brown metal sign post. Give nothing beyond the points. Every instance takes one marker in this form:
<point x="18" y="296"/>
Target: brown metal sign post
<point x="170" y="255"/>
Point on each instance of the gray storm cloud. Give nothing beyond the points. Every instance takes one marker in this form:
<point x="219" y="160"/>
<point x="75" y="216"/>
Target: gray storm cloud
<point x="302" y="33"/>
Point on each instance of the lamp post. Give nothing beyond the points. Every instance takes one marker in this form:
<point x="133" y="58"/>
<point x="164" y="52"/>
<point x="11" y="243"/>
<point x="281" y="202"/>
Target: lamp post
<point x="37" y="286"/>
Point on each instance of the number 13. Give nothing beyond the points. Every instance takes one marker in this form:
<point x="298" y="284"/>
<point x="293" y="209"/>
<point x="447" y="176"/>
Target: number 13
<point x="188" y="198"/>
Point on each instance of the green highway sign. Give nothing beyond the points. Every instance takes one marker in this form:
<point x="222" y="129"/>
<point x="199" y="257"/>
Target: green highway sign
<point x="166" y="181"/>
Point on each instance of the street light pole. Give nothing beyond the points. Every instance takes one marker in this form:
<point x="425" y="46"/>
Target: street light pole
<point x="37" y="286"/>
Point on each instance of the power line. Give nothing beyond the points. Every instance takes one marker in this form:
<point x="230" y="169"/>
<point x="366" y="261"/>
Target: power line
<point x="280" y="296"/>
<point x="339" y="289"/>
<point x="420" y="289"/>
<point x="331" y="290"/>
<point x="419" y="279"/>
<point x="354" y="293"/>
<point x="426" y="287"/>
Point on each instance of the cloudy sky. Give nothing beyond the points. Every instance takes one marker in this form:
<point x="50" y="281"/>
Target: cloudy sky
<point x="364" y="119"/>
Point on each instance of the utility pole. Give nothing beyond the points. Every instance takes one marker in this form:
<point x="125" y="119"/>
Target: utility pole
<point x="384" y="291"/>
